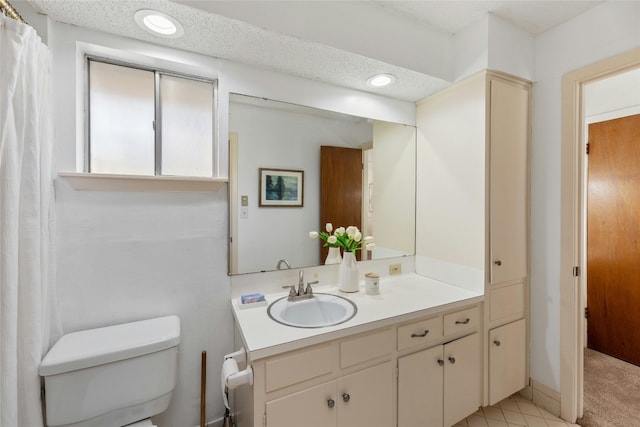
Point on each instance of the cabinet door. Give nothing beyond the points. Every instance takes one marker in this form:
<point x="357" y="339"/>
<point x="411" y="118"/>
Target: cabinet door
<point x="364" y="398"/>
<point x="508" y="180"/>
<point x="309" y="408"/>
<point x="507" y="360"/>
<point x="462" y="376"/>
<point x="420" y="386"/>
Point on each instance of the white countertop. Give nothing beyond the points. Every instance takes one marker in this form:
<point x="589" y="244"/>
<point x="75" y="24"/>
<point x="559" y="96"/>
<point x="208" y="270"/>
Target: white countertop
<point x="404" y="297"/>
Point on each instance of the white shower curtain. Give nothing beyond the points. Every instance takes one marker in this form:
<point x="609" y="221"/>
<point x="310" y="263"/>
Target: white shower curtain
<point x="26" y="221"/>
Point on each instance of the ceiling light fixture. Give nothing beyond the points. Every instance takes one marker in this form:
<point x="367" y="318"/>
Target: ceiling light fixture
<point x="381" y="80"/>
<point x="158" y="23"/>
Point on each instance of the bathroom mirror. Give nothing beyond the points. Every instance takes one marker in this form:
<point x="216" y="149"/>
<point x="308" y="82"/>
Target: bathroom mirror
<point x="277" y="145"/>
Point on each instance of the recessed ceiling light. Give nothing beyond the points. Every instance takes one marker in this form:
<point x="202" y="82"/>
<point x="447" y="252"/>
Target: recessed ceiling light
<point x="158" y="23"/>
<point x="381" y="80"/>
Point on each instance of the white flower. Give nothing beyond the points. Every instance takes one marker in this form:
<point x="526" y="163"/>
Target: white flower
<point x="329" y="227"/>
<point x="368" y="239"/>
<point x="339" y="230"/>
<point x="351" y="231"/>
<point x="370" y="246"/>
<point x="332" y="240"/>
<point x="313" y="234"/>
<point x="358" y="236"/>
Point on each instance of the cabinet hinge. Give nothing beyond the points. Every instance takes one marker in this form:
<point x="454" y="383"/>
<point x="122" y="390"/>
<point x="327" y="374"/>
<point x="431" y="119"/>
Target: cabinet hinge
<point x="576" y="271"/>
<point x="586" y="313"/>
<point x="588" y="146"/>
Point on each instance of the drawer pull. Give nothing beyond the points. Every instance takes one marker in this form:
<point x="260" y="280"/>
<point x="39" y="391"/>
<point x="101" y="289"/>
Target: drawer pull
<point x="452" y="359"/>
<point x="463" y="322"/>
<point x="331" y="403"/>
<point x="422" y="335"/>
<point x="497" y="343"/>
<point x="346" y="397"/>
<point x="440" y="362"/>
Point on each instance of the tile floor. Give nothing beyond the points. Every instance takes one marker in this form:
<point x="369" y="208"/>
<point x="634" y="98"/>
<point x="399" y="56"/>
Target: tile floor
<point x="514" y="411"/>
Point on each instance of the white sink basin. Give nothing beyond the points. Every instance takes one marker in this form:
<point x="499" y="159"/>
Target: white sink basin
<point x="317" y="312"/>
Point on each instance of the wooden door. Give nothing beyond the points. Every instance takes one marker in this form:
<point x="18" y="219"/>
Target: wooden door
<point x="613" y="238"/>
<point x="340" y="189"/>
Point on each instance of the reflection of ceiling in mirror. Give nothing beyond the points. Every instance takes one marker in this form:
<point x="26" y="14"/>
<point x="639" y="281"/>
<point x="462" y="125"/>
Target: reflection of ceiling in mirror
<point x="294" y="108"/>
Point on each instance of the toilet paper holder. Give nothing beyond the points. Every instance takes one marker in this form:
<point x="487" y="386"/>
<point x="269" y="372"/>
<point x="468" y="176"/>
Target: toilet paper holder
<point x="232" y="376"/>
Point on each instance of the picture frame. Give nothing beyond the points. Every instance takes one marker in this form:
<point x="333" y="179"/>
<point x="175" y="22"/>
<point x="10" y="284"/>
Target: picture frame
<point x="282" y="188"/>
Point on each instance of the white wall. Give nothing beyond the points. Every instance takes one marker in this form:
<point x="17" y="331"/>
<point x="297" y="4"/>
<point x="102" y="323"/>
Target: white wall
<point x="129" y="256"/>
<point x="450" y="223"/>
<point x="279" y="139"/>
<point x="607" y="30"/>
<point x="613" y="97"/>
<point x="495" y="44"/>
<point x="394" y="189"/>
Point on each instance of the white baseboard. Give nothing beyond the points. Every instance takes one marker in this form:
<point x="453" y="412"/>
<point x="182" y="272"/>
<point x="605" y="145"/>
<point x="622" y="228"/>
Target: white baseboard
<point x="542" y="396"/>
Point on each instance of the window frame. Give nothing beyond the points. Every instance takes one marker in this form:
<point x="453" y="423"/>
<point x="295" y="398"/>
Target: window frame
<point x="157" y="72"/>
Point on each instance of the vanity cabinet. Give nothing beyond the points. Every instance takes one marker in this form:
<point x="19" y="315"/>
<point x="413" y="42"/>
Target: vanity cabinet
<point x="439" y="383"/>
<point x="473" y="164"/>
<point x="508" y="236"/>
<point x="507" y="370"/>
<point x="361" y="399"/>
<point x="508" y="180"/>
<point x="347" y="382"/>
<point x="396" y="374"/>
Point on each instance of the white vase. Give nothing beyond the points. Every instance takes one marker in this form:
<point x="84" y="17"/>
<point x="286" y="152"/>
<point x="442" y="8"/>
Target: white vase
<point x="333" y="257"/>
<point x="348" y="273"/>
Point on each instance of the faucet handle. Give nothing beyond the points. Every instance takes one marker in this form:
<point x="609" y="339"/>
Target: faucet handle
<point x="309" y="290"/>
<point x="292" y="290"/>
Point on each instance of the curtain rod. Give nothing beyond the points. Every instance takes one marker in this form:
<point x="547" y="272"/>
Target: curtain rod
<point x="6" y="7"/>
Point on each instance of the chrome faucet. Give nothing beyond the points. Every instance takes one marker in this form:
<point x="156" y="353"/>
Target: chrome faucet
<point x="300" y="293"/>
<point x="282" y="261"/>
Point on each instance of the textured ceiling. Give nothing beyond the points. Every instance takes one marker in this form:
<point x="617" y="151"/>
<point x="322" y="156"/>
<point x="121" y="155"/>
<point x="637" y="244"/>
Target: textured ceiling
<point x="296" y="37"/>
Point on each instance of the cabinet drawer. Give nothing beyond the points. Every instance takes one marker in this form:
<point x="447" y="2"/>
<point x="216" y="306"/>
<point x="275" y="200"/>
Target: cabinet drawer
<point x="506" y="302"/>
<point x="420" y="332"/>
<point x="298" y="367"/>
<point x="461" y="321"/>
<point x="367" y="347"/>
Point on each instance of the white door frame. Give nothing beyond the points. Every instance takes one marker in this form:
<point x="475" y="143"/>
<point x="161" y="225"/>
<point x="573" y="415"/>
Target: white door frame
<point x="572" y="240"/>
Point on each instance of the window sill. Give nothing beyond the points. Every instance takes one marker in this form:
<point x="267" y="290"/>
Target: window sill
<point x="106" y="182"/>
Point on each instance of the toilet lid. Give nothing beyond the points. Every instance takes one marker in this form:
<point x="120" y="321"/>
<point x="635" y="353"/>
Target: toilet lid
<point x="84" y="349"/>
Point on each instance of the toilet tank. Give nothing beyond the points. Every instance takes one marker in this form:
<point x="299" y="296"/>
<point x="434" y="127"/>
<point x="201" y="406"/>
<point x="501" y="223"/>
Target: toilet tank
<point x="111" y="376"/>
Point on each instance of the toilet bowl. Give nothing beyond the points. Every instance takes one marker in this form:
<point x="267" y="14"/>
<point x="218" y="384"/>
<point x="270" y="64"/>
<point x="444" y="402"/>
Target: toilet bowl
<point x="111" y="376"/>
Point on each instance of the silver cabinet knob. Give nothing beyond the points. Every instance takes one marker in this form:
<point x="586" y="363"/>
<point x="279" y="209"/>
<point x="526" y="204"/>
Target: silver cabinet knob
<point x="497" y="343"/>
<point x="331" y="403"/>
<point x="346" y="397"/>
<point x="440" y="362"/>
<point x="497" y="262"/>
<point x="452" y="359"/>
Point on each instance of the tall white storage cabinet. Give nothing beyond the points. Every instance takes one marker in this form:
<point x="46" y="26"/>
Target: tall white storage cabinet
<point x="472" y="211"/>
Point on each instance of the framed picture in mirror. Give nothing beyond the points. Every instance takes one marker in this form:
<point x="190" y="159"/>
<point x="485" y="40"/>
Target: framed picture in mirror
<point x="281" y="188"/>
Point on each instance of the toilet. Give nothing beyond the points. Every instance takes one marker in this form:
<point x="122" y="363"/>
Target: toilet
<point x="111" y="376"/>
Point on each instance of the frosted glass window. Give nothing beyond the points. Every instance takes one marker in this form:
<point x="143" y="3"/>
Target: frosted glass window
<point x="122" y="114"/>
<point x="145" y="122"/>
<point x="187" y="126"/>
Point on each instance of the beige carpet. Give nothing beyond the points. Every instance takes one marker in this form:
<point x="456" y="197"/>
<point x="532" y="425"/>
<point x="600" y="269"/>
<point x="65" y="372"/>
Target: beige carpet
<point x="611" y="392"/>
